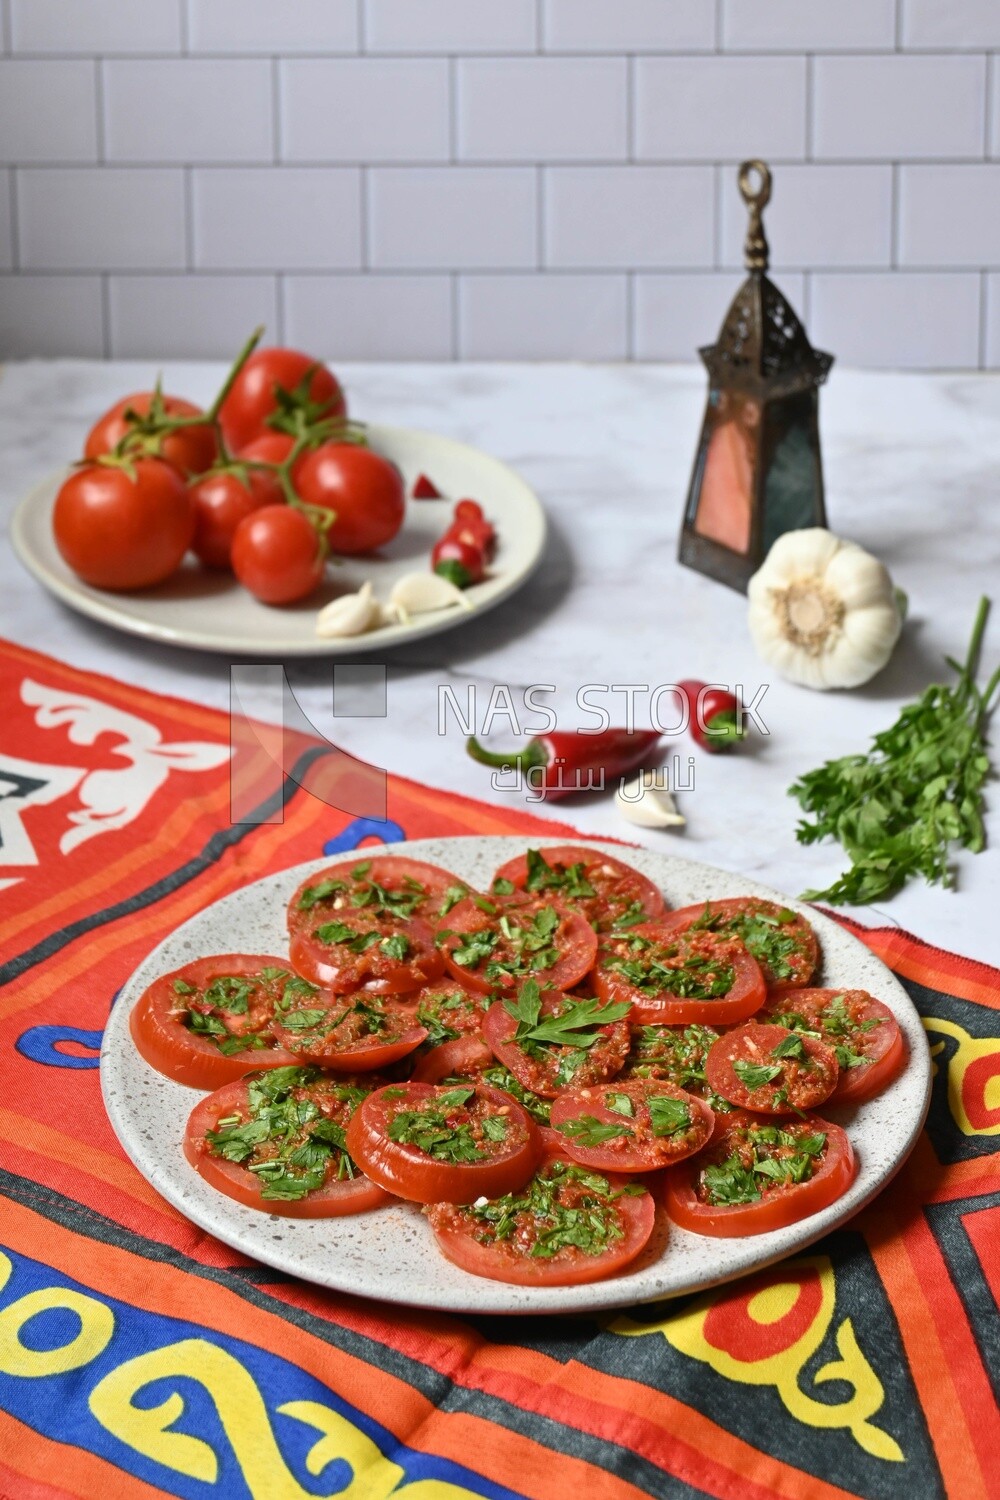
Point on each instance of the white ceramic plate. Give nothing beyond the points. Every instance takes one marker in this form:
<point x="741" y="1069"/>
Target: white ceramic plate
<point x="390" y="1254"/>
<point x="206" y="610"/>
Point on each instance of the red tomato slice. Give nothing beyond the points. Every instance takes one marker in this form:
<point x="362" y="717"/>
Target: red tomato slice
<point x="771" y="1070"/>
<point x="209" y="1022"/>
<point x="385" y="885"/>
<point x="452" y="1143"/>
<point x="465" y="1057"/>
<point x="380" y="954"/>
<point x="863" y="1033"/>
<point x="353" y="1035"/>
<point x="721" y="1192"/>
<point x="610" y="894"/>
<point x="448" y="1009"/>
<point x="528" y="1238"/>
<point x="780" y="939"/>
<point x="631" y="1125"/>
<point x="595" y="1041"/>
<point x="329" y="1188"/>
<point x="490" y="946"/>
<point x="679" y="978"/>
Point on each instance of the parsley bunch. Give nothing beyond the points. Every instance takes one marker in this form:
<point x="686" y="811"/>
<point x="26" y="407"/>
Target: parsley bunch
<point x="919" y="789"/>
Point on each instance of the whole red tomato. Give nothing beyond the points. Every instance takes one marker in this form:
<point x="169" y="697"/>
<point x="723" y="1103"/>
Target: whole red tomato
<point x="121" y="530"/>
<point x="277" y="554"/>
<point x="253" y="398"/>
<point x="363" y="489"/>
<point x="191" y="450"/>
<point x="269" y="448"/>
<point x="221" y="500"/>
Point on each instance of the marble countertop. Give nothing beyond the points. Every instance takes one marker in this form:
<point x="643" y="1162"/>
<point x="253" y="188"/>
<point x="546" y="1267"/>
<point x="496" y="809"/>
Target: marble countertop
<point x="912" y="467"/>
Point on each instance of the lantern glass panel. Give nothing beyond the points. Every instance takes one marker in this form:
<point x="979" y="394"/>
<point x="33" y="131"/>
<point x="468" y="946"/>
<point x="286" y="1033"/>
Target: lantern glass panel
<point x="724" y="502"/>
<point x="792" y="490"/>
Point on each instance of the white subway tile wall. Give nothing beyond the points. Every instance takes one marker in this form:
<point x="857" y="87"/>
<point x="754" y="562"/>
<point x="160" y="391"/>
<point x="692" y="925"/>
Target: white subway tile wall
<point x="468" y="179"/>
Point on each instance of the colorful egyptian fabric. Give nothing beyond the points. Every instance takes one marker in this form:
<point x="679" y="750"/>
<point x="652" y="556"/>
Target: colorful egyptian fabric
<point x="139" y="1357"/>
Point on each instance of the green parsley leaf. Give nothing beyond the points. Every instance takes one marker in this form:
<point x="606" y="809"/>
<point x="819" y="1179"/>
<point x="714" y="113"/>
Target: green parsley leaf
<point x="668" y="1116"/>
<point x="755" y="1075"/>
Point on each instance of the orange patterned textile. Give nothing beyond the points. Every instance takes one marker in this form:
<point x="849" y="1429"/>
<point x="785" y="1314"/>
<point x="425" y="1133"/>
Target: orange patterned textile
<point x="139" y="1357"/>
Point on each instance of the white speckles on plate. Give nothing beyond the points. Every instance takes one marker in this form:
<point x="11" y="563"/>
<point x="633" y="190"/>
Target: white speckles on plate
<point x="390" y="1253"/>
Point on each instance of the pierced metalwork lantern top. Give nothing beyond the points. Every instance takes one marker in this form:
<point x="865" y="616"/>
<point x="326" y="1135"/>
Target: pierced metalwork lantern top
<point x="762" y="346"/>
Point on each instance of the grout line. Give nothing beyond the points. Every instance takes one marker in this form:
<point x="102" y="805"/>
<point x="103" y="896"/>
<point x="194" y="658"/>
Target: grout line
<point x="185" y="20"/>
<point x="719" y="28"/>
<point x="100" y="110"/>
<point x="898" y="27"/>
<point x="456" y="316"/>
<point x="365" y="218"/>
<point x="984" y="308"/>
<point x="188" y="189"/>
<point x="539" y="25"/>
<point x="105" y="285"/>
<point x="540" y="246"/>
<point x="894" y="218"/>
<point x="6" y="27"/>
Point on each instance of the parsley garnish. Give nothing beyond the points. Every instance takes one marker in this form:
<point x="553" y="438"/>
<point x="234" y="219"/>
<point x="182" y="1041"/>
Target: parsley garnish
<point x="668" y="1116"/>
<point x="573" y="1024"/>
<point x="755" y="1075"/>
<point x="427" y="1128"/>
<point x="568" y="1207"/>
<point x="588" y="1130"/>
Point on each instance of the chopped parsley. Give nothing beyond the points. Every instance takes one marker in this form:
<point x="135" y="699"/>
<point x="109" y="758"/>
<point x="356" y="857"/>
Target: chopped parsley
<point x="564" y="1207"/>
<point x="765" y="1157"/>
<point x="668" y="1116"/>
<point x="588" y="1130"/>
<point x="647" y="966"/>
<point x="755" y="1076"/>
<point x="763" y="933"/>
<point x="433" y="1129"/>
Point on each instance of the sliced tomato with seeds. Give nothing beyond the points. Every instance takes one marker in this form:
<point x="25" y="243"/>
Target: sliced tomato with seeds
<point x="677" y="979"/>
<point x="444" y="1143"/>
<point x="568" y="1225"/>
<point x="384" y="955"/>
<point x="610" y="894"/>
<point x="551" y="1041"/>
<point x="464" y="1057"/>
<point x="209" y="1022"/>
<point x="356" y="1033"/>
<point x="448" y="1009"/>
<point x="674" y="1054"/>
<point x="632" y="1125"/>
<point x="492" y="946"/>
<point x="755" y="1175"/>
<point x="387" y="885"/>
<point x="276" y="1141"/>
<point x="863" y="1033"/>
<point x="780" y="939"/>
<point x="771" y="1070"/>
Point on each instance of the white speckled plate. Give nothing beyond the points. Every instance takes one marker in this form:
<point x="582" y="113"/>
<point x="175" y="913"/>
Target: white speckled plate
<point x="390" y="1253"/>
<point x="206" y="610"/>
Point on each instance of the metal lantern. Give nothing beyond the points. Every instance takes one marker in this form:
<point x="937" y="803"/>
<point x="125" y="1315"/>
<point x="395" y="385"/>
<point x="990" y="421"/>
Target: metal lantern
<point x="758" y="471"/>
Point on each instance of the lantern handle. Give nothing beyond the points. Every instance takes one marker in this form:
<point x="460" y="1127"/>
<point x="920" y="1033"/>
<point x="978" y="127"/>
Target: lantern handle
<point x="755" y="247"/>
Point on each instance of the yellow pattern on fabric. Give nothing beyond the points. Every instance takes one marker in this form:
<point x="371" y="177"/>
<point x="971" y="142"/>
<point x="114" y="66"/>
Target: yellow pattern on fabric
<point x="97" y="1324"/>
<point x="969" y="1050"/>
<point x="685" y="1332"/>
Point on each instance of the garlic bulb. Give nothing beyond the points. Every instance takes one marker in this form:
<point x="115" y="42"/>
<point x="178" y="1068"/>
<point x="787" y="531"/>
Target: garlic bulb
<point x="823" y="611"/>
<point x="645" y="802"/>
<point x="419" y="593"/>
<point x="351" y="614"/>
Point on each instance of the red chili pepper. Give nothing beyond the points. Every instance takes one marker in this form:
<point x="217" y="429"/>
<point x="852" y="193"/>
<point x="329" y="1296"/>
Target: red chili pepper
<point x="557" y="763"/>
<point x="716" y="715"/>
<point x="425" y="489"/>
<point x="461" y="562"/>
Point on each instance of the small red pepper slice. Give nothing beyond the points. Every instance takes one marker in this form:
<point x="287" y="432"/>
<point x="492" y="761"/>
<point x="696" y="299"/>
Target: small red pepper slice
<point x="425" y="489"/>
<point x="566" y="761"/>
<point x="716" y="715"/>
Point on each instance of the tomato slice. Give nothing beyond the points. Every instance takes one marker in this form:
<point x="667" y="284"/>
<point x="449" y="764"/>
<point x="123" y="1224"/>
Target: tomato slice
<point x="491" y="946"/>
<point x="551" y="1041"/>
<point x="679" y="978"/>
<point x="384" y="955"/>
<point x="567" y="1226"/>
<point x="275" y="1141"/>
<point x="673" y="1054"/>
<point x="771" y="1070"/>
<point x="209" y="1022"/>
<point x="754" y="1176"/>
<point x="448" y="1009"/>
<point x="631" y="1125"/>
<point x="863" y="1033"/>
<point x="354" y="1034"/>
<point x="610" y="894"/>
<point x="387" y="885"/>
<point x="463" y="1057"/>
<point x="780" y="939"/>
<point x="451" y="1143"/>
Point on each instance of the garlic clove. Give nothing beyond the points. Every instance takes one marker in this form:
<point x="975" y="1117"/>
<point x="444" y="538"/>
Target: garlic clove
<point x="810" y="550"/>
<point x="643" y="802"/>
<point x="858" y="578"/>
<point x="419" y="593"/>
<point x="351" y="614"/>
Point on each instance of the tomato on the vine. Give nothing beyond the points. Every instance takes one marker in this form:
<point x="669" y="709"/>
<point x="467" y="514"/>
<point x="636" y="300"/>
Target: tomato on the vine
<point x="277" y="554"/>
<point x="221" y="499"/>
<point x="270" y="448"/>
<point x="253" y="397"/>
<point x="124" y="526"/>
<point x="191" y="450"/>
<point x="364" y="490"/>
